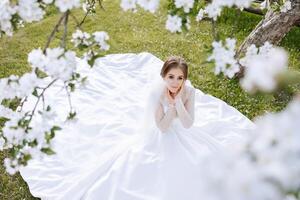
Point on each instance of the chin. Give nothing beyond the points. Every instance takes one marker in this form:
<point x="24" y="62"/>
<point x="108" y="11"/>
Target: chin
<point x="173" y="90"/>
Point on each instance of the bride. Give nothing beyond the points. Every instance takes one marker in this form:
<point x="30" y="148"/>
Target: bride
<point x="141" y="134"/>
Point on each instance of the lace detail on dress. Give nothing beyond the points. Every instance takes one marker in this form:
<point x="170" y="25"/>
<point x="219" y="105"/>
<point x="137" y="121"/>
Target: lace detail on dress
<point x="183" y="110"/>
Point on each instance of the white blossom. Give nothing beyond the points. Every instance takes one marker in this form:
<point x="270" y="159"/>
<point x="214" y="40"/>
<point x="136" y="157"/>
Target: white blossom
<point x="6" y="112"/>
<point x="242" y="3"/>
<point x="235" y="177"/>
<point x="88" y="55"/>
<point x="6" y="12"/>
<point x="11" y="166"/>
<point x="37" y="58"/>
<point x="65" y="5"/>
<point x="200" y="15"/>
<point x="149" y="5"/>
<point x="290" y="197"/>
<point x="267" y="160"/>
<point x="262" y="67"/>
<point x="86" y="6"/>
<point x="185" y="4"/>
<point x="14" y="134"/>
<point x="286" y="6"/>
<point x="80" y="38"/>
<point x="29" y="10"/>
<point x="47" y="1"/>
<point x="224" y="58"/>
<point x="42" y="124"/>
<point x="174" y="23"/>
<point x="2" y="142"/>
<point x="101" y="37"/>
<point x="215" y="7"/>
<point x="55" y="62"/>
<point x="264" y="4"/>
<point x="27" y="83"/>
<point x="128" y="5"/>
<point x="276" y="145"/>
<point x="213" y="11"/>
<point x="15" y="86"/>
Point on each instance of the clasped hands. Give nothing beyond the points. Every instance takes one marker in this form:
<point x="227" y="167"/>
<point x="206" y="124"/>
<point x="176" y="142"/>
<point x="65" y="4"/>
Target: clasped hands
<point x="173" y="100"/>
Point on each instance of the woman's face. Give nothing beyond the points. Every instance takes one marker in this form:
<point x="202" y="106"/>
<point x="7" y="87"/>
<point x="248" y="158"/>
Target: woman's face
<point x="174" y="79"/>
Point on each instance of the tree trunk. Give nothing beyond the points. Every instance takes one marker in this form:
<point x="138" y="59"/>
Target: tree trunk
<point x="272" y="28"/>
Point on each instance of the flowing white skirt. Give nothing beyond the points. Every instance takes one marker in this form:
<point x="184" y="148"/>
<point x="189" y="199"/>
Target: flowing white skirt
<point x="103" y="157"/>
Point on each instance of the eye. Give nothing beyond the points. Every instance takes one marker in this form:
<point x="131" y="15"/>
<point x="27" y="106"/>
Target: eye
<point x="171" y="77"/>
<point x="180" y="78"/>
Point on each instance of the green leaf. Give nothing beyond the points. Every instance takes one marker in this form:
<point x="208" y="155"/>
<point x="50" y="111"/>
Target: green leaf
<point x="35" y="93"/>
<point x="48" y="151"/>
<point x="83" y="80"/>
<point x="72" y="86"/>
<point x="93" y="59"/>
<point x="71" y="115"/>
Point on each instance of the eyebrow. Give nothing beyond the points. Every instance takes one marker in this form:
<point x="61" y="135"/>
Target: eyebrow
<point x="173" y="75"/>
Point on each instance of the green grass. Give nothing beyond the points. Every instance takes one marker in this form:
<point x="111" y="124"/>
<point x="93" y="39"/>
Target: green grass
<point x="142" y="31"/>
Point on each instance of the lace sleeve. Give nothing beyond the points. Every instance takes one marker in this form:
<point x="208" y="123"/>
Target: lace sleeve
<point x="186" y="111"/>
<point x="163" y="120"/>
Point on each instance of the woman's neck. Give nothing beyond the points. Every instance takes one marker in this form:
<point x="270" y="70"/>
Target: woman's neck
<point x="173" y="94"/>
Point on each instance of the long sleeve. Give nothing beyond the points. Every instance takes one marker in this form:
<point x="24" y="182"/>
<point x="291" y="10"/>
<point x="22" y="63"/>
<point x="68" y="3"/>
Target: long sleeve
<point x="163" y="120"/>
<point x="186" y="111"/>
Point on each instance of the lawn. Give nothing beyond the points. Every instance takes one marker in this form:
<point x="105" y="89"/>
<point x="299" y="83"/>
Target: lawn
<point x="140" y="32"/>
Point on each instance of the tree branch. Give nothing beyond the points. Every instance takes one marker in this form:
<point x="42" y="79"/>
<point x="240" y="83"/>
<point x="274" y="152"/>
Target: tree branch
<point x="50" y="38"/>
<point x="63" y="40"/>
<point x="37" y="102"/>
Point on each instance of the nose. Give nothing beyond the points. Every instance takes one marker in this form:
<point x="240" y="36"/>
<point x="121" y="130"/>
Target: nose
<point x="175" y="83"/>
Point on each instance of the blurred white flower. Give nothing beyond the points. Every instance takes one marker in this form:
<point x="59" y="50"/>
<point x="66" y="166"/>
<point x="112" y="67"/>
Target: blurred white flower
<point x="149" y="5"/>
<point x="88" y="55"/>
<point x="2" y="142"/>
<point x="30" y="10"/>
<point x="276" y="146"/>
<point x="128" y="5"/>
<point x="14" y="86"/>
<point x="286" y="6"/>
<point x="101" y="37"/>
<point x="56" y="63"/>
<point x="223" y="57"/>
<point x="262" y="67"/>
<point x="268" y="160"/>
<point x="185" y="4"/>
<point x="86" y="6"/>
<point x="200" y="15"/>
<point x="6" y="112"/>
<point x="264" y="4"/>
<point x="174" y="23"/>
<point x="14" y="134"/>
<point x="213" y="11"/>
<point x="290" y="197"/>
<point x="235" y="177"/>
<point x="215" y="7"/>
<point x="47" y="1"/>
<point x="241" y="3"/>
<point x="10" y="166"/>
<point x="7" y="10"/>
<point x="27" y="83"/>
<point x="80" y="38"/>
<point x="65" y="5"/>
<point x="37" y="58"/>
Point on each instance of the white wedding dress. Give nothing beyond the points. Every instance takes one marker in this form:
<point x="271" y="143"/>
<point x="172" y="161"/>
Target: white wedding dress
<point x="104" y="156"/>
